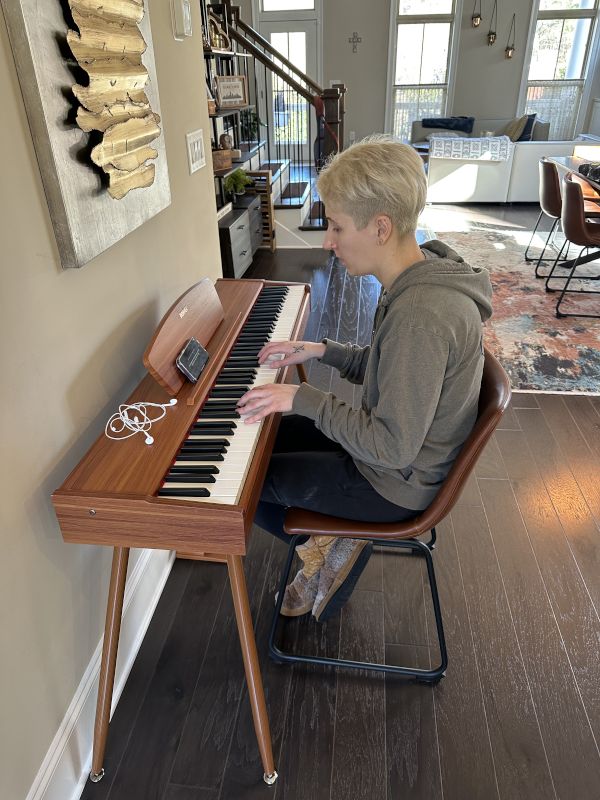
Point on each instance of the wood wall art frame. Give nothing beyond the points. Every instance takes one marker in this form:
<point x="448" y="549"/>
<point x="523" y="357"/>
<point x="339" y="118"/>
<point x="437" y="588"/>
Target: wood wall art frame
<point x="231" y="91"/>
<point x="86" y="219"/>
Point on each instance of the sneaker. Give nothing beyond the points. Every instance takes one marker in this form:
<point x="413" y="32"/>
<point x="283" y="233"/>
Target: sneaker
<point x="300" y="594"/>
<point x="338" y="576"/>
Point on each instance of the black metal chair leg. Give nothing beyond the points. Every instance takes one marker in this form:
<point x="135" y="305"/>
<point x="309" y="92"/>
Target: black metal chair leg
<point x="532" y="236"/>
<point x="430" y="676"/>
<point x="554" y="265"/>
<point x="545" y="247"/>
<point x="560" y="314"/>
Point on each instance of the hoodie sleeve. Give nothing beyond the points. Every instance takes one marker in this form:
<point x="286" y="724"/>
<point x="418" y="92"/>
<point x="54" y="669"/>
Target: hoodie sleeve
<point x="390" y="435"/>
<point x="349" y="359"/>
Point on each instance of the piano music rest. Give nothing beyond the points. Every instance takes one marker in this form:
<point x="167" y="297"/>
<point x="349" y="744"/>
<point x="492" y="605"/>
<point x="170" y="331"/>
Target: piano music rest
<point x="195" y="489"/>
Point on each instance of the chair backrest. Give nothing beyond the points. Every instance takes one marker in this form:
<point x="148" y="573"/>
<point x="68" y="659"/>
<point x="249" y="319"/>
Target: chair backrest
<point x="550" y="198"/>
<point x="573" y="213"/>
<point x="493" y="399"/>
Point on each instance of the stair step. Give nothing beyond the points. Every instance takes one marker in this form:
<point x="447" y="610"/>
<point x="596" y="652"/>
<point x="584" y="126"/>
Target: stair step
<point x="315" y="220"/>
<point x="294" y="195"/>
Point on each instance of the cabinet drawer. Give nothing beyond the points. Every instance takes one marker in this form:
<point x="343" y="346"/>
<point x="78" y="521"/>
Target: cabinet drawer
<point x="241" y="257"/>
<point x="239" y="231"/>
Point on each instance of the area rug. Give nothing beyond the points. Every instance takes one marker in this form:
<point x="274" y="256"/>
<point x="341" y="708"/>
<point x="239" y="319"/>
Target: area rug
<point x="539" y="352"/>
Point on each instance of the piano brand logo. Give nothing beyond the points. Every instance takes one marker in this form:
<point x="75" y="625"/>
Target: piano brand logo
<point x="183" y="312"/>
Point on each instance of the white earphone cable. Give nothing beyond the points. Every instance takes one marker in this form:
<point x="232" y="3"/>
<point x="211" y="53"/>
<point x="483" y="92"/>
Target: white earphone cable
<point x="136" y="418"/>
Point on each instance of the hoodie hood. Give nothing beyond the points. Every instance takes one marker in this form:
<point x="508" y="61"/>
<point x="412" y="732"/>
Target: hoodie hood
<point x="442" y="266"/>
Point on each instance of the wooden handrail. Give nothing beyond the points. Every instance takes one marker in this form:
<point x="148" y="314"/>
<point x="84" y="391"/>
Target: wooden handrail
<point x="266" y="45"/>
<point x="264" y="59"/>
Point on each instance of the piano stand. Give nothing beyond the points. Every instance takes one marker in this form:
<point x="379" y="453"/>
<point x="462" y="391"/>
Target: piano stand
<point x="116" y="495"/>
<point x="114" y="609"/>
<point x="112" y="628"/>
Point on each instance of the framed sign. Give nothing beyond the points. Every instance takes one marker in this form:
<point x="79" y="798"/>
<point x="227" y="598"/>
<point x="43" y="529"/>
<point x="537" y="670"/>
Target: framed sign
<point x="231" y="91"/>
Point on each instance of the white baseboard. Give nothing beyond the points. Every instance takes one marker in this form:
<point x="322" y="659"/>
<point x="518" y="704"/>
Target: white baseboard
<point x="65" y="768"/>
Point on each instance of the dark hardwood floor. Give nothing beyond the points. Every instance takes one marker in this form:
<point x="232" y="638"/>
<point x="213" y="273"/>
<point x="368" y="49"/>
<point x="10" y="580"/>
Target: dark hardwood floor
<point x="518" y="564"/>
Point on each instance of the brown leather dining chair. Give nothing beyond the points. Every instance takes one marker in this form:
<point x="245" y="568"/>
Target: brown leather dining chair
<point x="551" y="206"/>
<point x="493" y="400"/>
<point x="582" y="230"/>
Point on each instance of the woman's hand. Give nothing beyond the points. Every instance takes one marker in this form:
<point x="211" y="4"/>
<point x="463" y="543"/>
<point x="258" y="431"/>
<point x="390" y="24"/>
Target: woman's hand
<point x="283" y="354"/>
<point x="265" y="400"/>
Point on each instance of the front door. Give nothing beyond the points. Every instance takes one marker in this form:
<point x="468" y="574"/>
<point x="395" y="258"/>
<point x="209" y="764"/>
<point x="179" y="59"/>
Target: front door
<point x="288" y="112"/>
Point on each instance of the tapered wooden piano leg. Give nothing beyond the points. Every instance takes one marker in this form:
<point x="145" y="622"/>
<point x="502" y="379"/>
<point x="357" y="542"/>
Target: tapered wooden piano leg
<point x="112" y="628"/>
<point x="237" y="580"/>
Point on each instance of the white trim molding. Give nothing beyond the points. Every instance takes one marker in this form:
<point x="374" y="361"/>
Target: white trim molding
<point x="65" y="768"/>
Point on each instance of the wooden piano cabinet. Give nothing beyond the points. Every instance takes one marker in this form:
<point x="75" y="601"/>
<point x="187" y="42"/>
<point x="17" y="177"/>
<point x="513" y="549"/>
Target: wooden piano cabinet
<point x="110" y="497"/>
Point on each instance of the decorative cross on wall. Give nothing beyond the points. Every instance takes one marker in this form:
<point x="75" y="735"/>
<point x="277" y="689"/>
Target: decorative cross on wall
<point x="355" y="41"/>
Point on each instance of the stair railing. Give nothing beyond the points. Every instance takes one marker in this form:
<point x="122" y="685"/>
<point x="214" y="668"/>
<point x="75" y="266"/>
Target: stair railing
<point x="285" y="116"/>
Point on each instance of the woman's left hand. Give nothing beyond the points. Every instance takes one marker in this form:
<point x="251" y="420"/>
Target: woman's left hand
<point x="265" y="400"/>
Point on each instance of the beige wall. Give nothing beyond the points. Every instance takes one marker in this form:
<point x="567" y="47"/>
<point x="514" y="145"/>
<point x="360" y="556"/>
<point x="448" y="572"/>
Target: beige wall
<point x="487" y="84"/>
<point x="364" y="72"/>
<point x="70" y="348"/>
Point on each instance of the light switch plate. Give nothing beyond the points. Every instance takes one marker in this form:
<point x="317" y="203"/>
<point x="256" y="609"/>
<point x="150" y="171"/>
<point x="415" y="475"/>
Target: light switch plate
<point x="195" y="150"/>
<point x="181" y="17"/>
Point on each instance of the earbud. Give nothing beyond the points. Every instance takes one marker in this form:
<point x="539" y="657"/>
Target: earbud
<point x="124" y="425"/>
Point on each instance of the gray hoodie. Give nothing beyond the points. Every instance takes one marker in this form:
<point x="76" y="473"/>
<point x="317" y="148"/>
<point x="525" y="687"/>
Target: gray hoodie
<point x="421" y="378"/>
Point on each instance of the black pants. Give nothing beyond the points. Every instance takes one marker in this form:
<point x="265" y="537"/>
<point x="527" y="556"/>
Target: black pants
<point x="307" y="470"/>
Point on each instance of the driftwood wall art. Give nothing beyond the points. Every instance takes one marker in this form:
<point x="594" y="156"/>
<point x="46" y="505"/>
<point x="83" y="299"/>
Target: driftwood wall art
<point x="85" y="218"/>
<point x="109" y="47"/>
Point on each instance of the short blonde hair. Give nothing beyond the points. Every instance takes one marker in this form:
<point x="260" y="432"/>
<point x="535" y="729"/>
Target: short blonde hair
<point x="377" y="175"/>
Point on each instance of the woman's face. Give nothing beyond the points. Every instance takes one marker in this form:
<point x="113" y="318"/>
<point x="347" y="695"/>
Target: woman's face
<point x="356" y="249"/>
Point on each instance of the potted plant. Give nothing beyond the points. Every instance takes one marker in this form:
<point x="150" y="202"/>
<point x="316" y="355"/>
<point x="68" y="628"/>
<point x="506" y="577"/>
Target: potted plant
<point x="236" y="182"/>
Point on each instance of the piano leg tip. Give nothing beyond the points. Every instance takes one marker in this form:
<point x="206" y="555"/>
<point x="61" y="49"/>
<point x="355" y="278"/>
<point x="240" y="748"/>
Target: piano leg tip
<point x="95" y="777"/>
<point x="270" y="779"/>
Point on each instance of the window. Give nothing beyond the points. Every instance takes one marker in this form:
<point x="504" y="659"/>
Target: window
<point x="422" y="56"/>
<point x="559" y="61"/>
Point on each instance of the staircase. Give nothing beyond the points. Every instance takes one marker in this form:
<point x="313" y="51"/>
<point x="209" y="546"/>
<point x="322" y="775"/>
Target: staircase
<point x="294" y="127"/>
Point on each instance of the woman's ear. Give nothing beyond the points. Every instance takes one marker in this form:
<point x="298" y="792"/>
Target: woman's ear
<point x="383" y="226"/>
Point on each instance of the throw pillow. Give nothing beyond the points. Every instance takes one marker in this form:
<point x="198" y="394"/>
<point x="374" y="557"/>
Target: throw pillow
<point x="450" y="123"/>
<point x="515" y="128"/>
<point x="527" y="132"/>
<point x="445" y="134"/>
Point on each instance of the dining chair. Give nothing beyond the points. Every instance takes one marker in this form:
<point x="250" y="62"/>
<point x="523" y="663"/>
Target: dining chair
<point x="493" y="399"/>
<point x="582" y="230"/>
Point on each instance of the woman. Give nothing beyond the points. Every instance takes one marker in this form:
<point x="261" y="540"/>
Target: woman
<point x="421" y="376"/>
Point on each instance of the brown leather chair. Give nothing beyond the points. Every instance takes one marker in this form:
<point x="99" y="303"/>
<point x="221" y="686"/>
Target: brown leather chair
<point x="493" y="400"/>
<point x="579" y="229"/>
<point x="551" y="206"/>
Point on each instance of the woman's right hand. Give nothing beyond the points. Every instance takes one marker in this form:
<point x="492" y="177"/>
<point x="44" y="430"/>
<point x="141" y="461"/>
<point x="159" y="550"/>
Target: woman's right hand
<point x="283" y="354"/>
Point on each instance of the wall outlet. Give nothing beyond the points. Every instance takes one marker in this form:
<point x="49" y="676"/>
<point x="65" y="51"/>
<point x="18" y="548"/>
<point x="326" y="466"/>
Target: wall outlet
<point x="195" y="150"/>
<point x="352" y="137"/>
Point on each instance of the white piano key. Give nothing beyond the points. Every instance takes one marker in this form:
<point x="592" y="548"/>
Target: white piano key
<point x="238" y="454"/>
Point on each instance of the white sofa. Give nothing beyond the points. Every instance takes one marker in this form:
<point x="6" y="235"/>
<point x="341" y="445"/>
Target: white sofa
<point x="515" y="180"/>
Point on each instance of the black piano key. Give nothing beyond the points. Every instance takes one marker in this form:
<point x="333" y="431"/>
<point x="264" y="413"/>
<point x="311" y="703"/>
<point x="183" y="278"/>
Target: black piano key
<point x="226" y="391"/>
<point x="179" y="478"/>
<point x="202" y="432"/>
<point x="205" y="469"/>
<point x="208" y="456"/>
<point x="205" y="442"/>
<point x="245" y="350"/>
<point x="210" y="426"/>
<point x="200" y="450"/>
<point x="236" y="383"/>
<point x="191" y="492"/>
<point x="219" y="414"/>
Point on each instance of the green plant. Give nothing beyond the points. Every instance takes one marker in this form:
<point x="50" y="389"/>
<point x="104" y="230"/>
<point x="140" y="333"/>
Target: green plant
<point x="236" y="182"/>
